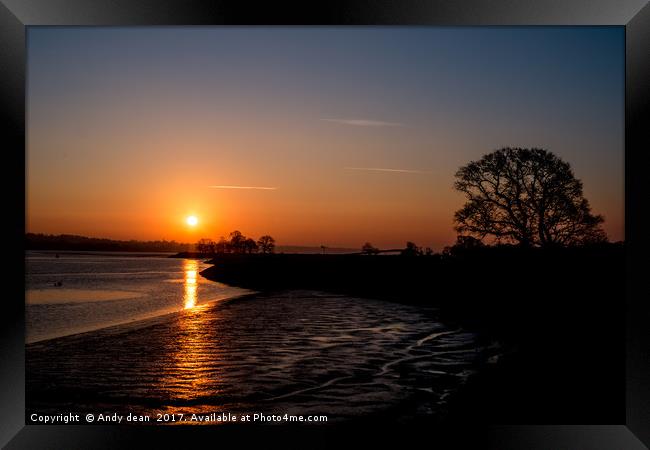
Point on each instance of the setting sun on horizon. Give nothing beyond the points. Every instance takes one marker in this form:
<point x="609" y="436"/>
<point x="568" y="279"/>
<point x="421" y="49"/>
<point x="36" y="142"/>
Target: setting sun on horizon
<point x="314" y="136"/>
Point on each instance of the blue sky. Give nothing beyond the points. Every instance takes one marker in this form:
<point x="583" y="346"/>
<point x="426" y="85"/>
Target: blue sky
<point x="304" y="111"/>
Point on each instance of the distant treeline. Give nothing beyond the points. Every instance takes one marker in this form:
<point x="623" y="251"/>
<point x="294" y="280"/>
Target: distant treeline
<point x="39" y="241"/>
<point x="238" y="243"/>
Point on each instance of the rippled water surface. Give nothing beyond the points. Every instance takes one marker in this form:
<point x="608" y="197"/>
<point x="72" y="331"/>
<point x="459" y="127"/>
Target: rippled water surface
<point x="295" y="352"/>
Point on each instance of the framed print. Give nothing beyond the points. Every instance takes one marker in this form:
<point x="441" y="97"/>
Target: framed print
<point x="390" y="221"/>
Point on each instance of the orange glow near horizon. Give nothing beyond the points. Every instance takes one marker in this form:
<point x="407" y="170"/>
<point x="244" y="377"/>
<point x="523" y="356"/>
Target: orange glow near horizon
<point x="258" y="132"/>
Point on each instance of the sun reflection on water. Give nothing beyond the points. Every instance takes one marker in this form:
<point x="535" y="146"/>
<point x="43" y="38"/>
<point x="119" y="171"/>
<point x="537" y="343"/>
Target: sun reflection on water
<point x="190" y="268"/>
<point x="191" y="369"/>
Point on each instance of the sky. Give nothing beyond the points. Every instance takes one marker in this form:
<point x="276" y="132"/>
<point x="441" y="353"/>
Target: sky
<point x="316" y="136"/>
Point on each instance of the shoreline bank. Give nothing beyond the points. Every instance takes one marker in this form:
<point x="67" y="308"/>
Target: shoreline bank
<point x="559" y="314"/>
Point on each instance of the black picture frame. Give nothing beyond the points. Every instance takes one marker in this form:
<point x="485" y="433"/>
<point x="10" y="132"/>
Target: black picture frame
<point x="17" y="15"/>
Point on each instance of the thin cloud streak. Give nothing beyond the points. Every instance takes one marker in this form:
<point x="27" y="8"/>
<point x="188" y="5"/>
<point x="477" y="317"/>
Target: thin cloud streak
<point x="260" y="188"/>
<point x="365" y="122"/>
<point x="380" y="169"/>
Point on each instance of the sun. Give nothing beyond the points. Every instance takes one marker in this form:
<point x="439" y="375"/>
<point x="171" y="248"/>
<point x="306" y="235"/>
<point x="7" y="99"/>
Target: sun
<point x="192" y="221"/>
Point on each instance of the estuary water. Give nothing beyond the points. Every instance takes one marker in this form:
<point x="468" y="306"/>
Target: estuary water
<point x="161" y="339"/>
<point x="73" y="293"/>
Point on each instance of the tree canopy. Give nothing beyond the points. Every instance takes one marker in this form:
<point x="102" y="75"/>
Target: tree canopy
<point x="411" y="249"/>
<point x="238" y="243"/>
<point x="369" y="249"/>
<point x="525" y="196"/>
<point x="266" y="244"/>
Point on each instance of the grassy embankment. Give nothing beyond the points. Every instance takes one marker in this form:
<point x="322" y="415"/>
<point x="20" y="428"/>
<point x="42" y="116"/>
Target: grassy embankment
<point x="560" y="312"/>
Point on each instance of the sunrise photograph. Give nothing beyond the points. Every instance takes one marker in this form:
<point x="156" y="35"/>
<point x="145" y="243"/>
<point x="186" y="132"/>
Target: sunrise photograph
<point x="324" y="226"/>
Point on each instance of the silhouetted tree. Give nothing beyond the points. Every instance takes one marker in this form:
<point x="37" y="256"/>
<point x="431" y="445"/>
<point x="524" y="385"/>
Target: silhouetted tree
<point x="205" y="246"/>
<point x="249" y="246"/>
<point x="411" y="249"/>
<point x="525" y="196"/>
<point x="237" y="240"/>
<point x="266" y="244"/>
<point x="369" y="249"/>
<point x="428" y="251"/>
<point x="463" y="243"/>
<point x="468" y="242"/>
<point x="223" y="246"/>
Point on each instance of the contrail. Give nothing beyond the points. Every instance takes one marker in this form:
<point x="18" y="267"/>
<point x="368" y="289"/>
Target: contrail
<point x="379" y="169"/>
<point x="262" y="188"/>
<point x="365" y="122"/>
